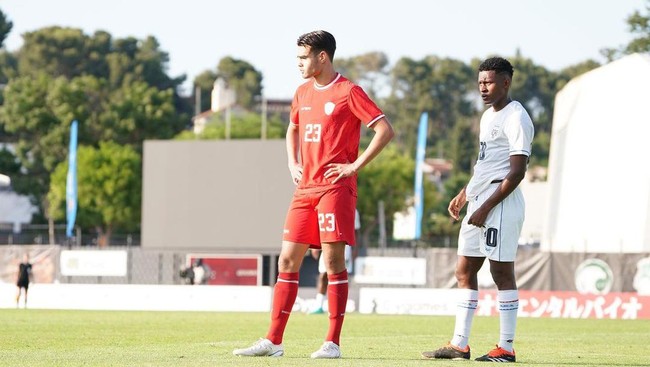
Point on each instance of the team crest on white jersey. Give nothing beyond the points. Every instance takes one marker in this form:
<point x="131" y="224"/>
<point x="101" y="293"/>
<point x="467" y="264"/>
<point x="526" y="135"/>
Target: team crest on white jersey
<point x="329" y="108"/>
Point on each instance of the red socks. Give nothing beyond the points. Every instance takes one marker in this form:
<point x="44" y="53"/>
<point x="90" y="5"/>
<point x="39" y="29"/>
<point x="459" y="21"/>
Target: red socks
<point x="337" y="299"/>
<point x="284" y="296"/>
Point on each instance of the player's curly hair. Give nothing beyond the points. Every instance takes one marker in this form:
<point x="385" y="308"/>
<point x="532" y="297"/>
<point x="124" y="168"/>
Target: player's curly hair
<point x="498" y="64"/>
<point x="319" y="41"/>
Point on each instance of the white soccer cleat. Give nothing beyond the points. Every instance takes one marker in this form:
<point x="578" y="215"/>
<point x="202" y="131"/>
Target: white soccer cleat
<point x="327" y="350"/>
<point x="261" y="348"/>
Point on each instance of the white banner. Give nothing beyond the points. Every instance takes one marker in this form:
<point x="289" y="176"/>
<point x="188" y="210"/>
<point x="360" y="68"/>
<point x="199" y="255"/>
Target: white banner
<point x="408" y="301"/>
<point x="390" y="270"/>
<point x="141" y="297"/>
<point x="93" y="263"/>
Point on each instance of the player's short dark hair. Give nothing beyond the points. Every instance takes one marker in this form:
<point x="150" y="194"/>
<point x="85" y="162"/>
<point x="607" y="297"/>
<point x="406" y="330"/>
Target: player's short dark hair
<point x="498" y="65"/>
<point x="319" y="41"/>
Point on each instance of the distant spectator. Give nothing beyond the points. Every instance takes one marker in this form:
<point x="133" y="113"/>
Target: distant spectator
<point x="24" y="277"/>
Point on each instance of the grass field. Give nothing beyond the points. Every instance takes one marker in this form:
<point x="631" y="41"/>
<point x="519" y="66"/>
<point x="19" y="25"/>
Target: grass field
<point x="97" y="338"/>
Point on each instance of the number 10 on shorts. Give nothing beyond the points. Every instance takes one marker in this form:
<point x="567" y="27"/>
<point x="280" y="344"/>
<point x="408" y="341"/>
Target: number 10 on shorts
<point x="326" y="222"/>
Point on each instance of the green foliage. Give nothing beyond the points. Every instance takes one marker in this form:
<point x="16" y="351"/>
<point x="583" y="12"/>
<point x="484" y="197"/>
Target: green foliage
<point x="5" y="28"/>
<point x="368" y="70"/>
<point x="244" y="126"/>
<point x="243" y="78"/>
<point x="8" y="67"/>
<point x="463" y="143"/>
<point x="38" y="110"/>
<point x="639" y="26"/>
<point x="109" y="188"/>
<point x="59" y="51"/>
<point x="573" y="71"/>
<point x="439" y="86"/>
<point x="541" y="149"/>
<point x="389" y="178"/>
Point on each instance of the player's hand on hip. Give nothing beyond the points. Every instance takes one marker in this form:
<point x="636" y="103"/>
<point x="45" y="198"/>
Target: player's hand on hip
<point x="296" y="173"/>
<point x="339" y="170"/>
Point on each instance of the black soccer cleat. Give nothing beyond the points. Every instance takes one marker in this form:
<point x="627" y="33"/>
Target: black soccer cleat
<point x="498" y="354"/>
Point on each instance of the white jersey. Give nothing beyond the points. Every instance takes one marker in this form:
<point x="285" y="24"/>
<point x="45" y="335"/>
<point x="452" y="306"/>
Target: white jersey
<point x="502" y="134"/>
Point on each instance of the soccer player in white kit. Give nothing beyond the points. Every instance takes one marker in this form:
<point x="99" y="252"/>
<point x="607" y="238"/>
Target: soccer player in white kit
<point x="495" y="213"/>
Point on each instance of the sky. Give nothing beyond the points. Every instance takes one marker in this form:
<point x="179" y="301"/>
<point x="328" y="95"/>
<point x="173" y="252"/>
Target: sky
<point x="198" y="33"/>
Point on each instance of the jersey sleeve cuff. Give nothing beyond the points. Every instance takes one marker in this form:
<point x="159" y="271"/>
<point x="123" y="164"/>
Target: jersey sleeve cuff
<point x="520" y="152"/>
<point x="375" y="120"/>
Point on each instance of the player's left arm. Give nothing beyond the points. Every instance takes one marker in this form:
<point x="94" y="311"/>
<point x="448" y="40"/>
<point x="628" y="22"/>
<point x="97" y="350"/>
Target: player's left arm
<point x="383" y="135"/>
<point x="517" y="173"/>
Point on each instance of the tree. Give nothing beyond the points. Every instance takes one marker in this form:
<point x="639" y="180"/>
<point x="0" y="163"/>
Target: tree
<point x="5" y="28"/>
<point x="639" y="26"/>
<point x="136" y="112"/>
<point x="38" y="110"/>
<point x="463" y="144"/>
<point x="369" y="70"/>
<point x="108" y="190"/>
<point x="243" y="78"/>
<point x="55" y="51"/>
<point x="388" y="178"/>
<point x="439" y="86"/>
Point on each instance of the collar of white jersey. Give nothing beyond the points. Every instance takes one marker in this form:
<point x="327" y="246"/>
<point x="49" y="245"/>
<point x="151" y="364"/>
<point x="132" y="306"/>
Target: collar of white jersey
<point x="323" y="87"/>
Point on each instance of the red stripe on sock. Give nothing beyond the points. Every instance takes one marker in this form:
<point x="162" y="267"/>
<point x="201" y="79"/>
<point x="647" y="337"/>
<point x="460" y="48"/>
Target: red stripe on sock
<point x="337" y="300"/>
<point x="284" y="296"/>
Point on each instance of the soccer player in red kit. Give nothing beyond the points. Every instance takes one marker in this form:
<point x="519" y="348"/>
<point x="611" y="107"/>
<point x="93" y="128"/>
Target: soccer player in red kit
<point x="323" y="158"/>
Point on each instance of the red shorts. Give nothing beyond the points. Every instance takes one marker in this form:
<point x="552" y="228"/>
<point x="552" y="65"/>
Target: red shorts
<point x="326" y="216"/>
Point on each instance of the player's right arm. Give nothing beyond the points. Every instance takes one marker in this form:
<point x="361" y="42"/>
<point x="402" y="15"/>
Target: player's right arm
<point x="457" y="203"/>
<point x="293" y="149"/>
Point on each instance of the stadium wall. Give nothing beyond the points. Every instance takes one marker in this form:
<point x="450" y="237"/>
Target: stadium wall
<point x="227" y="195"/>
<point x="597" y="273"/>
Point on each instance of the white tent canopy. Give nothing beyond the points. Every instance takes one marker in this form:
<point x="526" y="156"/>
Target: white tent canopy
<point x="599" y="167"/>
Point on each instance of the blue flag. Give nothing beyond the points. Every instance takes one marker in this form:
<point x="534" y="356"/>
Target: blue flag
<point x="419" y="163"/>
<point x="71" y="182"/>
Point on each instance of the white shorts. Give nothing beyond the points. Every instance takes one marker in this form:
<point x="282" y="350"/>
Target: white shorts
<point x="348" y="261"/>
<point x="499" y="238"/>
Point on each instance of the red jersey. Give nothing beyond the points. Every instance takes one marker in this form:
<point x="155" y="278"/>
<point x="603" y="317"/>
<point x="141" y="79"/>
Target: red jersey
<point x="329" y="124"/>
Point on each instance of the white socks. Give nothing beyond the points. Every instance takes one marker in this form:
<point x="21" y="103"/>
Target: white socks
<point x="508" y="306"/>
<point x="467" y="302"/>
<point x="320" y="300"/>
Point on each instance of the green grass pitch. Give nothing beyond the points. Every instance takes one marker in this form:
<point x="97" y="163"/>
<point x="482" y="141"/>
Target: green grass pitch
<point x="99" y="338"/>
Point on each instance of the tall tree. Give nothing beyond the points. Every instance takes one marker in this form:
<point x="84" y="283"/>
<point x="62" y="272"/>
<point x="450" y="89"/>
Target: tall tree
<point x="439" y="86"/>
<point x="388" y="178"/>
<point x="38" y="110"/>
<point x="5" y="28"/>
<point x="369" y="70"/>
<point x="243" y="78"/>
<point x="109" y="189"/>
<point x="639" y="25"/>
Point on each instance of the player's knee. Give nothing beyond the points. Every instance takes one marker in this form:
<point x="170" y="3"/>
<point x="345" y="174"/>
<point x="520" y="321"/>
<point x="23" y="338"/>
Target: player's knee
<point x="288" y="265"/>
<point x="464" y="278"/>
<point x="503" y="278"/>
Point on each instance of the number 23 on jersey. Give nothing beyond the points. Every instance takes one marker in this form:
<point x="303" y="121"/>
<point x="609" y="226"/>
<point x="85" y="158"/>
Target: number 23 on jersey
<point x="312" y="133"/>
